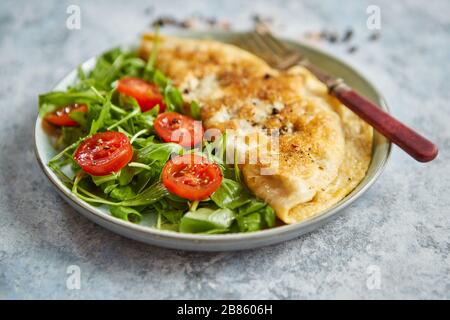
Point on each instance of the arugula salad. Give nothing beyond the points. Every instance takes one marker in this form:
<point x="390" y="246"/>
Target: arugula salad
<point x="114" y="129"/>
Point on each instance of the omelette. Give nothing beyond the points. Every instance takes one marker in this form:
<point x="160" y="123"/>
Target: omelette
<point x="323" y="150"/>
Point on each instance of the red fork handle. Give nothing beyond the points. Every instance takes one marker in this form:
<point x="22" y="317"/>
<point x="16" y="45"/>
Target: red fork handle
<point x="417" y="146"/>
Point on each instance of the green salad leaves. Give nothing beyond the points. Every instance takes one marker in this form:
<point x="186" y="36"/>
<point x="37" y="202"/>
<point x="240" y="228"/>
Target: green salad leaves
<point x="135" y="192"/>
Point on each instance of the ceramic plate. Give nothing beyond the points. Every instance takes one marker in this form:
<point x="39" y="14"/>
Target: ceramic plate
<point x="223" y="242"/>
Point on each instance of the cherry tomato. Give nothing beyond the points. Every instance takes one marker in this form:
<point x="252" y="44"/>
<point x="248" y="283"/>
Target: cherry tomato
<point x="104" y="153"/>
<point x="191" y="177"/>
<point x="175" y="127"/>
<point x="61" y="117"/>
<point x="146" y="94"/>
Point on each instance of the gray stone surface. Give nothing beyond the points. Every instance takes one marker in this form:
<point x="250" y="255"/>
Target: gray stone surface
<point x="399" y="229"/>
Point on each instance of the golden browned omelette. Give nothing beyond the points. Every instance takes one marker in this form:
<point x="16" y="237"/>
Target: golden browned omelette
<point x="324" y="149"/>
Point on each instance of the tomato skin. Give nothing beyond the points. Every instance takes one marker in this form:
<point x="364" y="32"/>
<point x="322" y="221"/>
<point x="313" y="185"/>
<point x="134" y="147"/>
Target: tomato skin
<point x="191" y="176"/>
<point x="146" y="94"/>
<point x="178" y="128"/>
<point x="61" y="118"/>
<point x="104" y="153"/>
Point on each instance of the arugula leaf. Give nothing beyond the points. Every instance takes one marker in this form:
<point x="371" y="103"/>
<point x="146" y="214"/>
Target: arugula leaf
<point x="126" y="213"/>
<point x="122" y="193"/>
<point x="143" y="142"/>
<point x="173" y="98"/>
<point x="79" y="117"/>
<point x="255" y="216"/>
<point x="253" y="206"/>
<point x="152" y="58"/>
<point x="251" y="222"/>
<point x="175" y="198"/>
<point x="195" y="110"/>
<point x="269" y="216"/>
<point x="160" y="79"/>
<point x="230" y="195"/>
<point x="173" y="216"/>
<point x="109" y="186"/>
<point x="49" y="102"/>
<point x="144" y="121"/>
<point x="150" y="195"/>
<point x="205" y="219"/>
<point x="80" y="73"/>
<point x="70" y="135"/>
<point x="99" y="123"/>
<point x="107" y="68"/>
<point x="112" y="73"/>
<point x="143" y="179"/>
<point x="136" y="111"/>
<point x="158" y="152"/>
<point x="98" y="180"/>
<point x="126" y="175"/>
<point x="61" y="98"/>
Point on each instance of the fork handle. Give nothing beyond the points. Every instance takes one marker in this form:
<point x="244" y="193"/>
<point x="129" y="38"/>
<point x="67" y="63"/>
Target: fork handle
<point x="410" y="141"/>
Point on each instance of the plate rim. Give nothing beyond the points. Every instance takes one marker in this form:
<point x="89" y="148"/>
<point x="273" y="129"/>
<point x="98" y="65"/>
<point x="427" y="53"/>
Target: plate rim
<point x="296" y="228"/>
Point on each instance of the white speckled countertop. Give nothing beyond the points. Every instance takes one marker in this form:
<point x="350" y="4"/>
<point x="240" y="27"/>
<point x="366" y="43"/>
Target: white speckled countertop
<point x="394" y="242"/>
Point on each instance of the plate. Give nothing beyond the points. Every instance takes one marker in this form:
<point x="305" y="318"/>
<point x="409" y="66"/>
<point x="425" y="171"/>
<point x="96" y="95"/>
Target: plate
<point x="224" y="242"/>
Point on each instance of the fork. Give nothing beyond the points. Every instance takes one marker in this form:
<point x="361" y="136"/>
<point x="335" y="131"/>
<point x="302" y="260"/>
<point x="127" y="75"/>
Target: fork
<point x="262" y="43"/>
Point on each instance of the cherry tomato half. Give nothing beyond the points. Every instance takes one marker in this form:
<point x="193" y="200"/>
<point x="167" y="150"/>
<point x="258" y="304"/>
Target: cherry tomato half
<point x="61" y="117"/>
<point x="146" y="94"/>
<point x="104" y="153"/>
<point x="191" y="177"/>
<point x="175" y="127"/>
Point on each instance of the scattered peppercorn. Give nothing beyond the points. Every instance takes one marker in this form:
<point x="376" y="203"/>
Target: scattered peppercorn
<point x="374" y="36"/>
<point x="348" y="34"/>
<point x="163" y="21"/>
<point x="194" y="21"/>
<point x="352" y="49"/>
<point x="198" y="21"/>
<point x="332" y="37"/>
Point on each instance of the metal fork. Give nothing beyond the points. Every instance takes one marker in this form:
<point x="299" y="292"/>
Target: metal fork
<point x="275" y="52"/>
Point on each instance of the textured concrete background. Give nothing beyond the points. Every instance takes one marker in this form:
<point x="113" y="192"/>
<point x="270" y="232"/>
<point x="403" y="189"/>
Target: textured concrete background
<point x="398" y="230"/>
